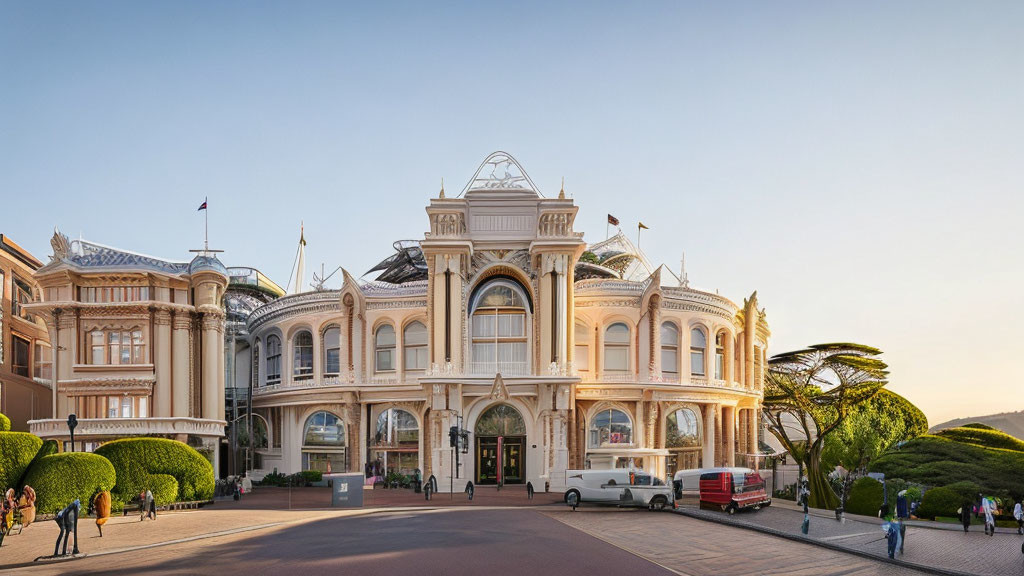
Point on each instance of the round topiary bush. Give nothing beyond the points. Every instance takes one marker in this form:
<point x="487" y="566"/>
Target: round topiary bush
<point x="60" y="478"/>
<point x="865" y="497"/>
<point x="940" y="502"/>
<point x="137" y="460"/>
<point x="5" y="423"/>
<point x="17" y="449"/>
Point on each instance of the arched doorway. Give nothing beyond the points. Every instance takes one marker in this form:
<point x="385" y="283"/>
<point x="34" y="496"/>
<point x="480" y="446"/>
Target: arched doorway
<point x="500" y="446"/>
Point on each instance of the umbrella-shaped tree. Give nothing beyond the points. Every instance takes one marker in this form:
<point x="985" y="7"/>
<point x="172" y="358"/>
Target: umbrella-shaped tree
<point x="809" y="393"/>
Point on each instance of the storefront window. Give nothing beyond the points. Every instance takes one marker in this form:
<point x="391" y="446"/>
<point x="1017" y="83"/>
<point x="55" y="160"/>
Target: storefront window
<point x="610" y="427"/>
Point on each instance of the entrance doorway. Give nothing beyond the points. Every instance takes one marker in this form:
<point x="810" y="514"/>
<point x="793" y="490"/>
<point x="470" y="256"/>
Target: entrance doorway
<point x="500" y="446"/>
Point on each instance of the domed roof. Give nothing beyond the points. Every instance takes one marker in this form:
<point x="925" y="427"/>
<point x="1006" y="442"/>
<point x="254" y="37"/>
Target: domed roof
<point x="204" y="263"/>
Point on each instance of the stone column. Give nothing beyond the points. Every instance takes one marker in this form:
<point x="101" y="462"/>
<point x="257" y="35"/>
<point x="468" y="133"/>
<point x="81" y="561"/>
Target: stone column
<point x="729" y="421"/>
<point x="752" y="440"/>
<point x="708" y="459"/>
<point x="750" y="329"/>
<point x="742" y="346"/>
<point x="180" y="353"/>
<point x="161" y="403"/>
<point x="212" y="351"/>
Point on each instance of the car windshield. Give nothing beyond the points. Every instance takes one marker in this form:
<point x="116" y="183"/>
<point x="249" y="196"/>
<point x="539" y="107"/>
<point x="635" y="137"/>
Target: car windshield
<point x="747" y="481"/>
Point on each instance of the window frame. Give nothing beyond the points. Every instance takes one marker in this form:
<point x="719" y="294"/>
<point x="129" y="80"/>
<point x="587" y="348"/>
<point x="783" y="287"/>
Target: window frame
<point x="299" y="370"/>
<point x="498" y="342"/>
<point x="391" y="350"/>
<point x="699" y="350"/>
<point x="414" y="351"/>
<point x="273" y="360"/>
<point x="618" y="347"/>
<point x="593" y="427"/>
<point x="670" y="347"/>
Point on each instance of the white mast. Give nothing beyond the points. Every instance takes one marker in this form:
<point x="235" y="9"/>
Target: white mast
<point x="300" y="262"/>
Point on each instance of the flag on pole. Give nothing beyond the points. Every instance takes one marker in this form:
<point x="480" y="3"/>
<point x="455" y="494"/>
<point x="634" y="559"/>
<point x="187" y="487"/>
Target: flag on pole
<point x="613" y="220"/>
<point x="202" y="206"/>
<point x="643" y="227"/>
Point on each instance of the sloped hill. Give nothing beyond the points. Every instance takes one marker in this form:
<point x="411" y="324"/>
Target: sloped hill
<point x="1010" y="422"/>
<point x="983" y="437"/>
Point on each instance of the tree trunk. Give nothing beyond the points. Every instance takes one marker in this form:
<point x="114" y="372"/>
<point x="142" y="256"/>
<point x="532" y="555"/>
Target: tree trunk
<point x="822" y="495"/>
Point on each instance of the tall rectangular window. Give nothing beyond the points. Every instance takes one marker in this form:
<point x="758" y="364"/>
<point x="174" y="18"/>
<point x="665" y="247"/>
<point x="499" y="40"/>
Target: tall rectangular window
<point x="20" y="355"/>
<point x="43" y="362"/>
<point x="21" y="295"/>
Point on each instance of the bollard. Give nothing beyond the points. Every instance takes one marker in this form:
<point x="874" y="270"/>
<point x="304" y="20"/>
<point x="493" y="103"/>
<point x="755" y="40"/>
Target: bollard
<point x="529" y="490"/>
<point x="470" y="489"/>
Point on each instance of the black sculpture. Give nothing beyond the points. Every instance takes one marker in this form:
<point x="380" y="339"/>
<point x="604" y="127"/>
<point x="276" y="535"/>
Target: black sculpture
<point x="529" y="490"/>
<point x="470" y="489"/>
<point x="67" y="519"/>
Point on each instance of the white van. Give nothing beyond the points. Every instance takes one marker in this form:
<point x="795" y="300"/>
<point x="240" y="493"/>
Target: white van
<point x="617" y="486"/>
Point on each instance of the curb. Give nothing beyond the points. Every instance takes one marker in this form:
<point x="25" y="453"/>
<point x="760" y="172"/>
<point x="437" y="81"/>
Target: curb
<point x="827" y="545"/>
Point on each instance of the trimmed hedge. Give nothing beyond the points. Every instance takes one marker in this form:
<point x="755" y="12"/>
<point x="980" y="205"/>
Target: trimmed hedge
<point x="5" y="423"/>
<point x="60" y="478"/>
<point x="939" y="461"/>
<point x="164" y="488"/>
<point x="940" y="502"/>
<point x="984" y="437"/>
<point x="137" y="460"/>
<point x="865" y="497"/>
<point x="17" y="449"/>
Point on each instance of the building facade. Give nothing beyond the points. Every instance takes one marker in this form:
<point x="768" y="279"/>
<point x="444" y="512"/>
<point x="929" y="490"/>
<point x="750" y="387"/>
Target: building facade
<point x="26" y="359"/>
<point x="502" y="321"/>
<point x="139" y="345"/>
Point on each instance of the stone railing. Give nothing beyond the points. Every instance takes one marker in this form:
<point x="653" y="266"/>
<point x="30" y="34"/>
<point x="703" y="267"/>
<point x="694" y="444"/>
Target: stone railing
<point x="675" y="379"/>
<point x="107" y="427"/>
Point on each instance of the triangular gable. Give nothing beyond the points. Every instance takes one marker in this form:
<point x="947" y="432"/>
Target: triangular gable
<point x="498" y="389"/>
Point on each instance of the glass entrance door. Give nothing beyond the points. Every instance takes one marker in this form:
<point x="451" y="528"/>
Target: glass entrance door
<point x="500" y="453"/>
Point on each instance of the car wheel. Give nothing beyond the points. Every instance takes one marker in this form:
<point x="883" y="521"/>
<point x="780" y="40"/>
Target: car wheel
<point x="657" y="503"/>
<point x="731" y="509"/>
<point x="572" y="498"/>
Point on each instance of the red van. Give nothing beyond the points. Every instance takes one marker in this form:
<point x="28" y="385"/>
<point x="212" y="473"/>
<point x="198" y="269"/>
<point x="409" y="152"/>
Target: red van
<point x="733" y="489"/>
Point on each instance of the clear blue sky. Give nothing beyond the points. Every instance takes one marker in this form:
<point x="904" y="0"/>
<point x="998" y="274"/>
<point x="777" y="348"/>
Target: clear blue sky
<point x="858" y="165"/>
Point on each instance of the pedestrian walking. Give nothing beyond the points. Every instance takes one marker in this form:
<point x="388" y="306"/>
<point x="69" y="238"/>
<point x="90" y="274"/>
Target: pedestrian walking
<point x="237" y="490"/>
<point x="804" y="498"/>
<point x="1018" y="515"/>
<point x="965" y="514"/>
<point x="148" y="505"/>
<point x="988" y="507"/>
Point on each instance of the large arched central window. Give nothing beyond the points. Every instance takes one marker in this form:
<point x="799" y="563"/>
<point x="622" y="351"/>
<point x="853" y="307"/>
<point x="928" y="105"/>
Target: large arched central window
<point x="498" y="329"/>
<point x="323" y="443"/>
<point x="500" y="420"/>
<point x="682" y="429"/>
<point x="609" y="427"/>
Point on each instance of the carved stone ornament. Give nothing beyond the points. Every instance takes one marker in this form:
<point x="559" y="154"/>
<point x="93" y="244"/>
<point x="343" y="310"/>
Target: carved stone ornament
<point x="61" y="246"/>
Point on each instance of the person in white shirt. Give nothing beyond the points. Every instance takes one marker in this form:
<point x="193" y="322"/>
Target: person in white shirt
<point x="1018" y="515"/>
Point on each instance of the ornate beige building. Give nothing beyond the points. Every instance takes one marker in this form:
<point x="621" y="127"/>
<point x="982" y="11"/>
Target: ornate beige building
<point x="26" y="360"/>
<point x="139" y="345"/>
<point x="553" y="354"/>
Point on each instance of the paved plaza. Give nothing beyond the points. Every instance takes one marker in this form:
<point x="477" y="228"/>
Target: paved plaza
<point x="499" y="532"/>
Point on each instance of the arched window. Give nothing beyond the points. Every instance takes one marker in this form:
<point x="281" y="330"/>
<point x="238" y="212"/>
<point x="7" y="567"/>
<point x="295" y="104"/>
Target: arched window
<point x="332" y="351"/>
<point x="385" y="348"/>
<point x="616" y="348"/>
<point x="698" y="345"/>
<point x="500" y="420"/>
<point x="720" y="355"/>
<point x="396" y="442"/>
<point x="498" y="329"/>
<point x="669" y="349"/>
<point x="302" y="355"/>
<point x="414" y="342"/>
<point x="682" y="429"/>
<point x="323" y="443"/>
<point x="609" y="427"/>
<point x="581" y="356"/>
<point x="273" y="359"/>
<point x="324" y="429"/>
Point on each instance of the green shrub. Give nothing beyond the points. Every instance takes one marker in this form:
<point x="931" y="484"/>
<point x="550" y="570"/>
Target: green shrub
<point x="17" y="449"/>
<point x="5" y="423"/>
<point x="138" y="459"/>
<point x="967" y="490"/>
<point x="940" y="502"/>
<point x="164" y="488"/>
<point x="60" y="478"/>
<point x="865" y="497"/>
<point x="939" y="461"/>
<point x="978" y="425"/>
<point x="49" y="447"/>
<point x="312" y="475"/>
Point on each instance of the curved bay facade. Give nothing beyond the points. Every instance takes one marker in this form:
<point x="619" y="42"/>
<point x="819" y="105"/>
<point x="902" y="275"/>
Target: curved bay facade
<point x="552" y="354"/>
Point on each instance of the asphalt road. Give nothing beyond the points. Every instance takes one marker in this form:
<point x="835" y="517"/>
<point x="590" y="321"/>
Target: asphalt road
<point x="450" y="542"/>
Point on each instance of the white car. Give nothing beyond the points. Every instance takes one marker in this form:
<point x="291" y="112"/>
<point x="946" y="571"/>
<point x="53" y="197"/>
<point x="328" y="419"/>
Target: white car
<point x="617" y="486"/>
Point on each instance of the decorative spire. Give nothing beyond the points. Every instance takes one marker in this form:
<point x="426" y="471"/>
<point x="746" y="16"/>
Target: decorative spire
<point x="561" y="193"/>
<point x="442" y="188"/>
<point x="300" y="262"/>
<point x="684" y="280"/>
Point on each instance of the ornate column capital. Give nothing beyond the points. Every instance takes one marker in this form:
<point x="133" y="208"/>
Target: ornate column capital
<point x="182" y="321"/>
<point x="162" y="317"/>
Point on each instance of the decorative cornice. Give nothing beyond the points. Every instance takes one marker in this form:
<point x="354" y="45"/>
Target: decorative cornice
<point x="305" y="303"/>
<point x="112" y="385"/>
<point x="394" y="304"/>
<point x="115" y="427"/>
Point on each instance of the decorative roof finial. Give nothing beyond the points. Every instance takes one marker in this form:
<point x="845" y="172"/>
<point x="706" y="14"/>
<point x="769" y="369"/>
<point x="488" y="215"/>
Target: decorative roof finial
<point x="561" y="193"/>
<point x="684" y="280"/>
<point x="442" y="188"/>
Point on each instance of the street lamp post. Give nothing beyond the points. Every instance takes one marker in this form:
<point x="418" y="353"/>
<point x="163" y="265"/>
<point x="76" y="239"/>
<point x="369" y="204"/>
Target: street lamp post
<point x="72" y="422"/>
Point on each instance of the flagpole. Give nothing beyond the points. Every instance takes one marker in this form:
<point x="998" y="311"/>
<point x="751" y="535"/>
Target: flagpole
<point x="206" y="217"/>
<point x="638" y="229"/>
